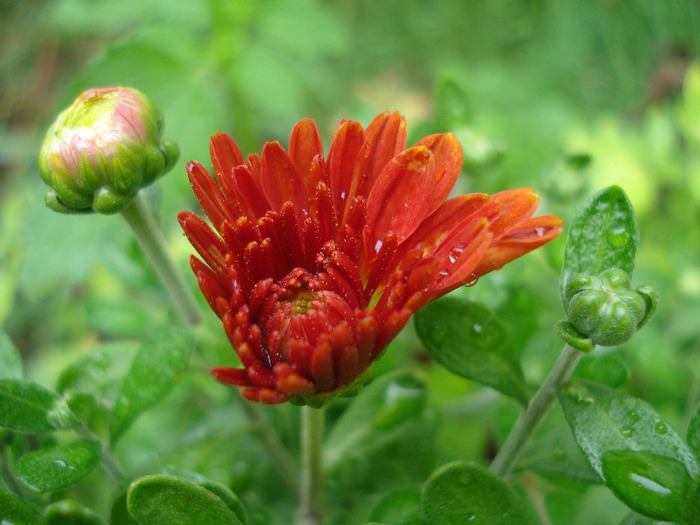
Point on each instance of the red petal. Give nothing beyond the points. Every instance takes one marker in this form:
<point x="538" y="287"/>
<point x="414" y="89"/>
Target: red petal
<point x="305" y="145"/>
<point x="342" y="156"/>
<point x="210" y="197"/>
<point x="206" y="242"/>
<point x="447" y="154"/>
<point x="279" y="180"/>
<point x="225" y="154"/>
<point x="251" y="199"/>
<point x="518" y="205"/>
<point x="525" y="237"/>
<point x="385" y="138"/>
<point x="401" y="197"/>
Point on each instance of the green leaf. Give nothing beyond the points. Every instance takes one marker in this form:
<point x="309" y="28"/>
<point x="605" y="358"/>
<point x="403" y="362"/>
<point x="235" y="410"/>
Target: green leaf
<point x="572" y="337"/>
<point x="384" y="406"/>
<point x="603" y="235"/>
<point x="606" y="369"/>
<point x="15" y="511"/>
<point x="399" y="507"/>
<point x="154" y="371"/>
<point x="69" y="512"/>
<point x="10" y="360"/>
<point x="228" y="497"/>
<point x="470" y="341"/>
<point x="459" y="493"/>
<point x="119" y="514"/>
<point x="167" y="500"/>
<point x="694" y="432"/>
<point x="25" y="406"/>
<point x="638" y="455"/>
<point x="55" y="468"/>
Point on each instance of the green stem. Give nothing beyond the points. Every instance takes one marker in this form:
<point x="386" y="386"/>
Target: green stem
<point x="153" y="244"/>
<point x="271" y="443"/>
<point x="8" y="475"/>
<point x="538" y="408"/>
<point x="310" y="496"/>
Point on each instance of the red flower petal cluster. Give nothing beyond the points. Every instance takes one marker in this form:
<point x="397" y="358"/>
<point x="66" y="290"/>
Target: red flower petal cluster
<point x="315" y="263"/>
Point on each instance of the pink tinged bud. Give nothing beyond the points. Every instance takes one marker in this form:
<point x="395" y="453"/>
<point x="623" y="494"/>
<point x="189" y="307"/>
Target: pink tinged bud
<point x="102" y="150"/>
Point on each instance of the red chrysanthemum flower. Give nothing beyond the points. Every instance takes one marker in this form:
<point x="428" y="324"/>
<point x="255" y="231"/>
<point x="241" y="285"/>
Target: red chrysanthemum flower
<point x="316" y="263"/>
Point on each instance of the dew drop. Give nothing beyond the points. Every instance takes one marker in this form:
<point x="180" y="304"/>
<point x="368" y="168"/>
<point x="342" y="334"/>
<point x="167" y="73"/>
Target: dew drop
<point x="627" y="431"/>
<point x="650" y="484"/>
<point x="580" y="394"/>
<point x="539" y="231"/>
<point x="661" y="428"/>
<point x="618" y="237"/>
<point x="60" y="463"/>
<point x="633" y="415"/>
<point x="477" y="328"/>
<point x="378" y="246"/>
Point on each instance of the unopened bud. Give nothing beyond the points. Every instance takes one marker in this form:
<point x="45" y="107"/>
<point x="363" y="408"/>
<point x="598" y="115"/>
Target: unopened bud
<point x="604" y="309"/>
<point x="102" y="150"/>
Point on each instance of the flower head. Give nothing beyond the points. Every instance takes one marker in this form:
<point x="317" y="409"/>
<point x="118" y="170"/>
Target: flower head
<point x="102" y="150"/>
<point x="314" y="263"/>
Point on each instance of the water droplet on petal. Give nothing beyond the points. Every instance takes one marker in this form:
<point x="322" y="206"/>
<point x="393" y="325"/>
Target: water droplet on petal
<point x="378" y="246"/>
<point x="539" y="231"/>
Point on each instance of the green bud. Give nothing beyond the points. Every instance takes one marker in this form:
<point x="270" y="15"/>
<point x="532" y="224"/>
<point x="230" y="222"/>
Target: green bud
<point x="102" y="150"/>
<point x="604" y="309"/>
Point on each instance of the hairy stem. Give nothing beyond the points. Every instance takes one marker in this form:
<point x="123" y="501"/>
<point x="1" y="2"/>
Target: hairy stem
<point x="536" y="411"/>
<point x="153" y="244"/>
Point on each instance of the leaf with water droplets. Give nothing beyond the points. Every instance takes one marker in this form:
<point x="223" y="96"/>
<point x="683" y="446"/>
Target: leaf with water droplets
<point x="25" y="406"/>
<point x="55" y="468"/>
<point x="653" y="485"/>
<point x="470" y="341"/>
<point x="167" y="500"/>
<point x="618" y="432"/>
<point x="462" y="493"/>
<point x="603" y="235"/>
<point x="154" y="371"/>
<point x="15" y="511"/>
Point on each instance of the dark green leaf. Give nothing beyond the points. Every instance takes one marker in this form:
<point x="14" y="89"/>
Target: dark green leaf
<point x="399" y="507"/>
<point x="167" y="500"/>
<point x="603" y="235"/>
<point x="119" y="514"/>
<point x="10" y="360"/>
<point x="55" y="468"/>
<point x="640" y="457"/>
<point x="154" y="371"/>
<point x="25" y="406"/>
<point x="15" y="511"/>
<point x="229" y="498"/>
<point x="470" y="341"/>
<point x="460" y="493"/>
<point x="69" y="512"/>
<point x="99" y="370"/>
<point x="384" y="405"/>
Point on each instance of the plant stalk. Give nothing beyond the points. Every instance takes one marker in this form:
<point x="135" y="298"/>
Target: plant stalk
<point x="153" y="244"/>
<point x="536" y="411"/>
<point x="310" y="495"/>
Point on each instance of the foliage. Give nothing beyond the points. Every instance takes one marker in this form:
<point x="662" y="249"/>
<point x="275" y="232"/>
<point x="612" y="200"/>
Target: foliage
<point x="571" y="98"/>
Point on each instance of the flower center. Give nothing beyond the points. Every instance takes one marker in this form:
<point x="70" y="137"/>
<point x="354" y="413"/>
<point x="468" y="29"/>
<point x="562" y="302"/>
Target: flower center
<point x="302" y="301"/>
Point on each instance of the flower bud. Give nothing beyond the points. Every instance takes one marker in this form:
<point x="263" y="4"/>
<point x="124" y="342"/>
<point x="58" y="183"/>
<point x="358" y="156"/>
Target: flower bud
<point x="604" y="309"/>
<point x="102" y="150"/>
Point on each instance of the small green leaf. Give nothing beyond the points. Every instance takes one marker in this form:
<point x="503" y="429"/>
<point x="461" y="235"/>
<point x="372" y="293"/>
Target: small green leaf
<point x="603" y="235"/>
<point x="399" y="507"/>
<point x="470" y="341"/>
<point x="385" y="404"/>
<point x="631" y="447"/>
<point x="69" y="512"/>
<point x="154" y="371"/>
<point x="228" y="497"/>
<point x="167" y="500"/>
<point x="55" y="468"/>
<point x="15" y="511"/>
<point x="653" y="485"/>
<point x="25" y="406"/>
<point x="459" y="493"/>
<point x="572" y="337"/>
<point x="10" y="360"/>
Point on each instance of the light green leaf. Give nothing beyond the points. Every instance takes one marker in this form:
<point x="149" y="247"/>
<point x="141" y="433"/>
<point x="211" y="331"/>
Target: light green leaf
<point x="56" y="468"/>
<point x="167" y="500"/>
<point x="470" y="341"/>
<point x="461" y="493"/>
<point x="154" y="371"/>
<point x="10" y="360"/>
<point x="25" y="406"/>
<point x="603" y="235"/>
<point x="69" y="512"/>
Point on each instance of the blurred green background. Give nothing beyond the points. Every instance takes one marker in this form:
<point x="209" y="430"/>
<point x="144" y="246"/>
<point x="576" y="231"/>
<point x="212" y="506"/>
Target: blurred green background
<point x="564" y="96"/>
